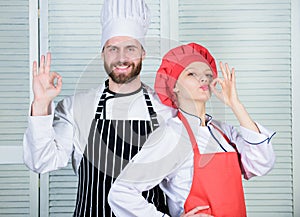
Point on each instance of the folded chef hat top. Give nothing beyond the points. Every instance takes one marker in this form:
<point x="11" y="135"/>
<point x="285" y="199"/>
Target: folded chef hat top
<point x="173" y="63"/>
<point x="125" y="18"/>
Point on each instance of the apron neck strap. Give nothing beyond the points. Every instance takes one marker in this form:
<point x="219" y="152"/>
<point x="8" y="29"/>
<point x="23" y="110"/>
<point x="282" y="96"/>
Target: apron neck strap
<point x="152" y="113"/>
<point x="103" y="98"/>
<point x="190" y="132"/>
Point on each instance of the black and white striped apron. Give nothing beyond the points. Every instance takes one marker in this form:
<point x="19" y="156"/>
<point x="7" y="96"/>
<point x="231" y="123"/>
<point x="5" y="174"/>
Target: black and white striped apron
<point x="111" y="144"/>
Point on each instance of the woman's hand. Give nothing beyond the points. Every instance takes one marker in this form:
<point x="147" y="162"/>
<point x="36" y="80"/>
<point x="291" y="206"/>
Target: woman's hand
<point x="46" y="86"/>
<point x="193" y="212"/>
<point x="228" y="93"/>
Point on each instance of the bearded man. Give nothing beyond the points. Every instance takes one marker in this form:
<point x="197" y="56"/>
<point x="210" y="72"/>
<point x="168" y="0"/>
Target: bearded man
<point x="102" y="129"/>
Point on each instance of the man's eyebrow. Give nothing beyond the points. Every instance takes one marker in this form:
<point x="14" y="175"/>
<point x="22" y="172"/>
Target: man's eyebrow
<point x="131" y="45"/>
<point x="110" y="46"/>
<point x="127" y="46"/>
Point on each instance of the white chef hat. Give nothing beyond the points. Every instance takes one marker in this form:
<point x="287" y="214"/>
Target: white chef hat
<point x="125" y="18"/>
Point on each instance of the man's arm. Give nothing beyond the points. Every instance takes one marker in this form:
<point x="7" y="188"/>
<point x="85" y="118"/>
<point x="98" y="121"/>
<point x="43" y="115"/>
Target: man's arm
<point x="47" y="142"/>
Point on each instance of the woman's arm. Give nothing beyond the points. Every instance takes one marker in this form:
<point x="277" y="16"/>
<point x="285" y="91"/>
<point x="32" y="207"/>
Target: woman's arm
<point x="254" y="141"/>
<point x="160" y="156"/>
<point x="229" y="96"/>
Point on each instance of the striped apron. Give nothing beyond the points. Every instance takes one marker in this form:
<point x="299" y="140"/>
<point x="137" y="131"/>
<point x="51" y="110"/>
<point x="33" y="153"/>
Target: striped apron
<point x="111" y="144"/>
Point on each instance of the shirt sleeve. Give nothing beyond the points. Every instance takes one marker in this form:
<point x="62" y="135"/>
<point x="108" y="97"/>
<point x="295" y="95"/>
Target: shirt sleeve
<point x="48" y="140"/>
<point x="256" y="150"/>
<point x="160" y="156"/>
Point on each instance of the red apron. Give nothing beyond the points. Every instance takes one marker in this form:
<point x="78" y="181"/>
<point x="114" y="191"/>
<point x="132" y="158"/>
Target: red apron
<point x="217" y="182"/>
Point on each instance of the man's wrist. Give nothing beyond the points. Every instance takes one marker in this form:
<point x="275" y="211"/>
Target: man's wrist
<point x="39" y="108"/>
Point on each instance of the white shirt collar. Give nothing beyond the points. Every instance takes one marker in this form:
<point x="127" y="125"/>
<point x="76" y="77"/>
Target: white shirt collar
<point x="195" y="120"/>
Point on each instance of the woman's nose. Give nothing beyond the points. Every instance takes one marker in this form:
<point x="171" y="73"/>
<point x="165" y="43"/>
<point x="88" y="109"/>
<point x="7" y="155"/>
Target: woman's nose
<point x="203" y="79"/>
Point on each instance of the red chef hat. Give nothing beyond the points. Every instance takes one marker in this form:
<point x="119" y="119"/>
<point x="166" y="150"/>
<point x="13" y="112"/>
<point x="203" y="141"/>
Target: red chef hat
<point x="173" y="63"/>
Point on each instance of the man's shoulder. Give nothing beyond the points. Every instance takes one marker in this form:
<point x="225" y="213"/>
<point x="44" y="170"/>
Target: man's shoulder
<point x="164" y="112"/>
<point x="89" y="92"/>
<point x="149" y="89"/>
<point x="81" y="97"/>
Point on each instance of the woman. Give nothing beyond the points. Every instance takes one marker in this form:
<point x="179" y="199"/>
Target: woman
<point x="197" y="160"/>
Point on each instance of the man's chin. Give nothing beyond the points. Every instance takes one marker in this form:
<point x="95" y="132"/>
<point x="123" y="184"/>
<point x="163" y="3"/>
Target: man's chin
<point x="122" y="79"/>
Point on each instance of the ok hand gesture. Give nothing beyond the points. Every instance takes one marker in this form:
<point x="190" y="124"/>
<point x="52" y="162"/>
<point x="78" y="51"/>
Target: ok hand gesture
<point x="228" y="93"/>
<point x="46" y="86"/>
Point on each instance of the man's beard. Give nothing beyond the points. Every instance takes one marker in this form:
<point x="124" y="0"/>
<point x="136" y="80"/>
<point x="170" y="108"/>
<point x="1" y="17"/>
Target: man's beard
<point x="123" y="78"/>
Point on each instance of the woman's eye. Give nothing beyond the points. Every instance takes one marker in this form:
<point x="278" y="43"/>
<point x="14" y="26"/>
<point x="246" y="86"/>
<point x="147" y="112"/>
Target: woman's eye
<point x="210" y="76"/>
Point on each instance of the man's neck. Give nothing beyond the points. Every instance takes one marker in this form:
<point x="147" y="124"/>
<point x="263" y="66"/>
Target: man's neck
<point x="129" y="87"/>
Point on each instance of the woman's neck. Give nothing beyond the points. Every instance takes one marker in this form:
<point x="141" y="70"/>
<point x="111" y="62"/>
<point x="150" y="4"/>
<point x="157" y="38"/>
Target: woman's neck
<point x="194" y="108"/>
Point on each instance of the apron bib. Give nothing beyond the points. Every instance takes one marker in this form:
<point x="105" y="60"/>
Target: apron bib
<point x="216" y="182"/>
<point x="111" y="144"/>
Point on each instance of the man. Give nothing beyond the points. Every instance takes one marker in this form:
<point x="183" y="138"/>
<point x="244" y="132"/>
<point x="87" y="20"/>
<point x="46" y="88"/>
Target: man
<point x="101" y="129"/>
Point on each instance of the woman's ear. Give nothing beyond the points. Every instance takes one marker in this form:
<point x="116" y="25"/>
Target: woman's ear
<point x="175" y="89"/>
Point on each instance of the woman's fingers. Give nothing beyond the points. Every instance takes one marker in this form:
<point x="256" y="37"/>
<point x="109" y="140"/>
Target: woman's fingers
<point x="223" y="70"/>
<point x="230" y="72"/>
<point x="195" y="210"/>
<point x="226" y="71"/>
<point x="233" y="76"/>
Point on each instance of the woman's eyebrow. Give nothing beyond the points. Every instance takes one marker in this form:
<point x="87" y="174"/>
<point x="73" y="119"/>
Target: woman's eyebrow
<point x="205" y="70"/>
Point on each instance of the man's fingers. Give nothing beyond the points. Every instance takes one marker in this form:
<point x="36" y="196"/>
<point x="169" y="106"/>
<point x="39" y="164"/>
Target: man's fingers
<point x="34" y="69"/>
<point x="59" y="83"/>
<point x="42" y="64"/>
<point x="55" y="75"/>
<point x="48" y="63"/>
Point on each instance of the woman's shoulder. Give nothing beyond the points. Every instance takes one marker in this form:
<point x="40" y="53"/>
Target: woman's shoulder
<point x="168" y="144"/>
<point x="166" y="135"/>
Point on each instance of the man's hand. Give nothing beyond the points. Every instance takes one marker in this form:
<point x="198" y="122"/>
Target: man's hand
<point x="46" y="86"/>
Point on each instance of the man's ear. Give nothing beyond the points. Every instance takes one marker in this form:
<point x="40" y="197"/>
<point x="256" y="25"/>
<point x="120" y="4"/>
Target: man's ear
<point x="143" y="54"/>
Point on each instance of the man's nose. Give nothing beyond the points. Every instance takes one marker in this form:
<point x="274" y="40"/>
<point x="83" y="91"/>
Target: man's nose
<point x="123" y="56"/>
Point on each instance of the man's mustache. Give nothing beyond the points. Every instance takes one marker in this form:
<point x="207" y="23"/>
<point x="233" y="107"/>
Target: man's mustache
<point x="122" y="64"/>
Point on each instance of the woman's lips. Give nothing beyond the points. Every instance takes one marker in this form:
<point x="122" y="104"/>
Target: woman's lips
<point x="205" y="87"/>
